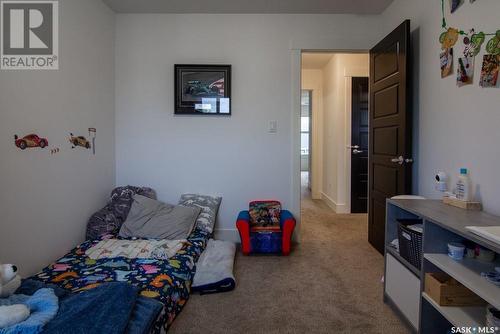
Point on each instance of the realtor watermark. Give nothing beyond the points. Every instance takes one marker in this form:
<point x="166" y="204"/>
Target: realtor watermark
<point x="475" y="330"/>
<point x="29" y="35"/>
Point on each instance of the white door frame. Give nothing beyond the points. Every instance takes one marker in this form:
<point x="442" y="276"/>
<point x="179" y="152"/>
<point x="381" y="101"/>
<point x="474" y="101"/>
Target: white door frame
<point x="316" y="137"/>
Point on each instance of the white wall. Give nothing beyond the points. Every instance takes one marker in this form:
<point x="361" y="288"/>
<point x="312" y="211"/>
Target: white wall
<point x="312" y="79"/>
<point x="455" y="127"/>
<point x="46" y="199"/>
<point x="337" y="91"/>
<point x="232" y="156"/>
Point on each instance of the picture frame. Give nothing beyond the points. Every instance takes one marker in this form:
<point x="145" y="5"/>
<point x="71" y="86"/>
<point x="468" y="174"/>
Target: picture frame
<point x="202" y="89"/>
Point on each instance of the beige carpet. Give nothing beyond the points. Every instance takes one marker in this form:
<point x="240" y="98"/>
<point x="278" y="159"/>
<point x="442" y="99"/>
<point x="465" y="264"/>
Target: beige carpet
<point x="329" y="284"/>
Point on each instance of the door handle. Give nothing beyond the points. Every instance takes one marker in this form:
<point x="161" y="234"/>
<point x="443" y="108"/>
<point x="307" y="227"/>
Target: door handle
<point x="400" y="160"/>
<point x="356" y="151"/>
<point x="353" y="147"/>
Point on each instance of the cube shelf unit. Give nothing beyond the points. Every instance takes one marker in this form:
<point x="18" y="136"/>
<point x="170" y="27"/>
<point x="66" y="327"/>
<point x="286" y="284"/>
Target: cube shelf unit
<point x="404" y="283"/>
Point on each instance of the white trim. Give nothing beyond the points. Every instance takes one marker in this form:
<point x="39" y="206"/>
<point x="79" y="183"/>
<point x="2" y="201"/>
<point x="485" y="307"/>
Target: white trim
<point x="348" y="139"/>
<point x="343" y="209"/>
<point x="316" y="173"/>
<point x="296" y="67"/>
<point x="228" y="234"/>
<point x="329" y="201"/>
<point x="337" y="207"/>
<point x="355" y="72"/>
<point x="317" y="143"/>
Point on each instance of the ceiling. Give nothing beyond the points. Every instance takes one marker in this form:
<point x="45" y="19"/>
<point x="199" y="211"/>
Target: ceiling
<point x="315" y="61"/>
<point x="254" y="6"/>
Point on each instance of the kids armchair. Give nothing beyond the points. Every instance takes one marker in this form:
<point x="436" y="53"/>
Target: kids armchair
<point x="265" y="228"/>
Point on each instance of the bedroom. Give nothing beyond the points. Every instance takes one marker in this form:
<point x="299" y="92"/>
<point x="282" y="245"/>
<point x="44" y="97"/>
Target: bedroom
<point x="116" y="75"/>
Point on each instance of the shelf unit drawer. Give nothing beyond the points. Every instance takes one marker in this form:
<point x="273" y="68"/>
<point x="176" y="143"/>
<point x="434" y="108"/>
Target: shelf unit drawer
<point x="403" y="288"/>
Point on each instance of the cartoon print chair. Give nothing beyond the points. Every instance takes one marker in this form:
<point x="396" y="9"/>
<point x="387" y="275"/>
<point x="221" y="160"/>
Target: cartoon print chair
<point x="265" y="228"/>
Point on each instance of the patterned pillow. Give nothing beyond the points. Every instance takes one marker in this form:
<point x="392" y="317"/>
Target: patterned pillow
<point x="209" y="207"/>
<point x="109" y="219"/>
<point x="265" y="215"/>
<point x="122" y="198"/>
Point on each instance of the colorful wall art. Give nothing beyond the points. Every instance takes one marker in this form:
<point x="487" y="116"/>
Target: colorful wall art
<point x="490" y="70"/>
<point x="465" y="71"/>
<point x="449" y="38"/>
<point x="454" y="4"/>
<point x="493" y="45"/>
<point x="446" y="62"/>
<point x="30" y="141"/>
<point x="33" y="140"/>
<point x="79" y="141"/>
<point x="473" y="42"/>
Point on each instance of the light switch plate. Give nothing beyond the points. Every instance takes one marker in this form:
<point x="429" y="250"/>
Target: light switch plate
<point x="273" y="126"/>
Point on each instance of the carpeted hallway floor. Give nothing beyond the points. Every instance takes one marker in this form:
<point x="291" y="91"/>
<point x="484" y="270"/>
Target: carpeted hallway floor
<point x="329" y="284"/>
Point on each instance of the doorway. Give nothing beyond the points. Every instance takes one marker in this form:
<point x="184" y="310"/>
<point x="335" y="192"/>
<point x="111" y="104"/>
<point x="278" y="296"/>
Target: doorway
<point x="305" y="141"/>
<point x="390" y="128"/>
<point x="336" y="133"/>
<point x="359" y="145"/>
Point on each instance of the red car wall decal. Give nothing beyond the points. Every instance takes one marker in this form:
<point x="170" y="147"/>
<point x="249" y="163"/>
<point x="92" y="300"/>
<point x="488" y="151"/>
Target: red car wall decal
<point x="31" y="140"/>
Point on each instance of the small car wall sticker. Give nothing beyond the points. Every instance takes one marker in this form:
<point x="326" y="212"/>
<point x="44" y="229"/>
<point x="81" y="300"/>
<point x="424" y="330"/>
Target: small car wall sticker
<point x="31" y="140"/>
<point x="79" y="141"/>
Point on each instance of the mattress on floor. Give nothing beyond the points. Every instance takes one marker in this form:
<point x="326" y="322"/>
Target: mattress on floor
<point x="168" y="281"/>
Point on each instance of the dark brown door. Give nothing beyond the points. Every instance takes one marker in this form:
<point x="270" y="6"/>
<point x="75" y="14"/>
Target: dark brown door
<point x="390" y="128"/>
<point x="359" y="146"/>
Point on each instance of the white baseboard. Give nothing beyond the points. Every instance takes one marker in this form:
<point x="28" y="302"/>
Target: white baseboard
<point x="328" y="201"/>
<point x="343" y="208"/>
<point x="316" y="195"/>
<point x="338" y="208"/>
<point x="227" y="234"/>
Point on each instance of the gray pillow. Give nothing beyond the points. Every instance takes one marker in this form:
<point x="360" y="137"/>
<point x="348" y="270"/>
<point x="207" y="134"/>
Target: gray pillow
<point x="149" y="218"/>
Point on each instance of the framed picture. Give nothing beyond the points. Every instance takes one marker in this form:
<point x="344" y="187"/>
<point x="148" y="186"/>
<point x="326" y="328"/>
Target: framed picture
<point x="203" y="89"/>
